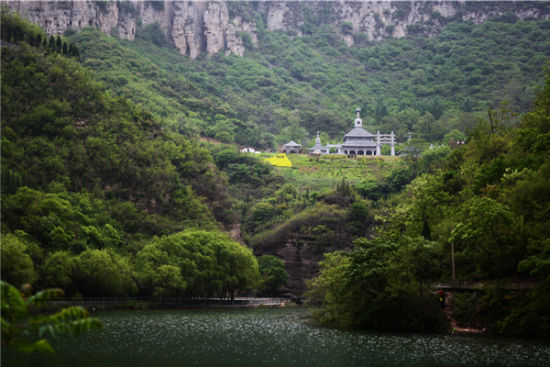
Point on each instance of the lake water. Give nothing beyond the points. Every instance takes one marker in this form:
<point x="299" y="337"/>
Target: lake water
<point x="270" y="337"/>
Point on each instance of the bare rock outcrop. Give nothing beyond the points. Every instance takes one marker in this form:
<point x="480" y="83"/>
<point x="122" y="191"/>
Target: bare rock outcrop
<point x="187" y="26"/>
<point x="216" y="21"/>
<point x="381" y="19"/>
<point x="193" y="27"/>
<point x="196" y="27"/>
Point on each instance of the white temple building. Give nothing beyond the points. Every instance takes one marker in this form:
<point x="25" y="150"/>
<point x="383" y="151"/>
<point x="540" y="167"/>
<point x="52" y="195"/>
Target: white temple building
<point x="357" y="142"/>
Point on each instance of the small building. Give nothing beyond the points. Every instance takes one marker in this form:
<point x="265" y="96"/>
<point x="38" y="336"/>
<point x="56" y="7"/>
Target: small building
<point x="318" y="148"/>
<point x="292" y="147"/>
<point x="249" y="150"/>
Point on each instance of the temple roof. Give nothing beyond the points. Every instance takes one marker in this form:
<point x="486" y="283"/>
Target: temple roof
<point x="292" y="143"/>
<point x="358" y="132"/>
<point x="368" y="144"/>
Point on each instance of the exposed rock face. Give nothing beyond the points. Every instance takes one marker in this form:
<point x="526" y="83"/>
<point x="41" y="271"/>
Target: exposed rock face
<point x="302" y="241"/>
<point x="193" y="27"/>
<point x="380" y="19"/>
<point x="187" y="24"/>
<point x="276" y="12"/>
<point x="198" y="27"/>
<point x="301" y="258"/>
<point x="216" y="20"/>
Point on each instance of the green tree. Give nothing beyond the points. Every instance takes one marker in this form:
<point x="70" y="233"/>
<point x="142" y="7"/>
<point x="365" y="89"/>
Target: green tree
<point x="274" y="274"/>
<point x="346" y="27"/>
<point x="210" y="263"/>
<point x="359" y="218"/>
<point x="326" y="289"/>
<point x="425" y="126"/>
<point x="168" y="281"/>
<point x="51" y="44"/>
<point x="375" y="287"/>
<point x="454" y="137"/>
<point x="17" y="265"/>
<point x="58" y="44"/>
<point x="485" y="231"/>
<point x="57" y="270"/>
<point x="104" y="273"/>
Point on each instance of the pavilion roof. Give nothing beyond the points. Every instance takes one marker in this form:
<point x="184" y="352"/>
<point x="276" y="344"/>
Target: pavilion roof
<point x="292" y="143"/>
<point x="358" y="132"/>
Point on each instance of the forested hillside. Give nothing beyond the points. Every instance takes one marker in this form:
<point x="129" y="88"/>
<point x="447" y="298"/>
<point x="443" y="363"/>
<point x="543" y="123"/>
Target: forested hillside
<point x="490" y="199"/>
<point x="287" y="87"/>
<point x="88" y="180"/>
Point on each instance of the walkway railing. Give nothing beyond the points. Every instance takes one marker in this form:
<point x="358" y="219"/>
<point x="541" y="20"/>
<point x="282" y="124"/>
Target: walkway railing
<point x="172" y="301"/>
<point x="479" y="285"/>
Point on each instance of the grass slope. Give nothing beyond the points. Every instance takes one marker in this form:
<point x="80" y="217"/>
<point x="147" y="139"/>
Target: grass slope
<point x="326" y="172"/>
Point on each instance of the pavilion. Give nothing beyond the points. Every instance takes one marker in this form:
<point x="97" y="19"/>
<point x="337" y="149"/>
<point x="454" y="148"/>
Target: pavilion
<point x="292" y="147"/>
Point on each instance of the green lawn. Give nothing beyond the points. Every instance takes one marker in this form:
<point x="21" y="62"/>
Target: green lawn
<point x="323" y="173"/>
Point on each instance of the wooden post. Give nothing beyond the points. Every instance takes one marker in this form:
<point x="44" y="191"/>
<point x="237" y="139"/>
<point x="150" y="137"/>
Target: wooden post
<point x="453" y="272"/>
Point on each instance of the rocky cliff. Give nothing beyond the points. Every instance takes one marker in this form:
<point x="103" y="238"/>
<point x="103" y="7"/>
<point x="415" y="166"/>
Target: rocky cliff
<point x="381" y="19"/>
<point x="218" y="26"/>
<point x="192" y="27"/>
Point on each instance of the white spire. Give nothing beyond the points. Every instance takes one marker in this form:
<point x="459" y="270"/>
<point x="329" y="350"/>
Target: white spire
<point x="358" y="121"/>
<point x="318" y="139"/>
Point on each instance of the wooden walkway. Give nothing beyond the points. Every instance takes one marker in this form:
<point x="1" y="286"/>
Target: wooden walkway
<point x="480" y="285"/>
<point x="237" y="302"/>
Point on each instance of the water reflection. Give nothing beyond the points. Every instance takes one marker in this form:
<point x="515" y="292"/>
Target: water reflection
<point x="272" y="337"/>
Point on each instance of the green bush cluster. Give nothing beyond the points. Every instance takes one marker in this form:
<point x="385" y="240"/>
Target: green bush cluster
<point x="273" y="273"/>
<point x="379" y="285"/>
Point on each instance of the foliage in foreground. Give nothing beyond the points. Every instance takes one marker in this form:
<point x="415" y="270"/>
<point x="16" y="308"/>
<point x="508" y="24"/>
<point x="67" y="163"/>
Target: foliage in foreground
<point x="26" y="329"/>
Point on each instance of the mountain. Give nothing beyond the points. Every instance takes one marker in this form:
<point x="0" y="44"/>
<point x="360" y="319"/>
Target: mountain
<point x="212" y="27"/>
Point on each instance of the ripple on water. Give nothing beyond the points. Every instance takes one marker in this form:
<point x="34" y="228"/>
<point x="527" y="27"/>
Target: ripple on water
<point x="273" y="337"/>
